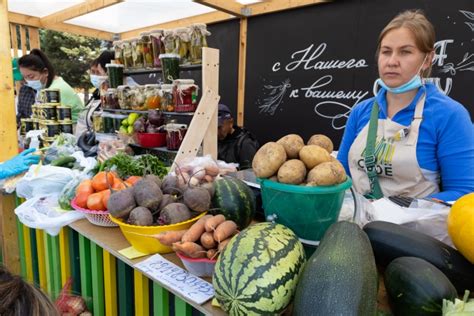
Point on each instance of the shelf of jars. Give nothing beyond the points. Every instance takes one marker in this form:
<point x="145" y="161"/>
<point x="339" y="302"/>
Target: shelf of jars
<point x="132" y="71"/>
<point x="146" y="111"/>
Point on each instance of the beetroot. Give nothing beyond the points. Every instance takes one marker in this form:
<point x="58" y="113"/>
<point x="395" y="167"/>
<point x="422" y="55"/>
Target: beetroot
<point x="197" y="198"/>
<point x="174" y="213"/>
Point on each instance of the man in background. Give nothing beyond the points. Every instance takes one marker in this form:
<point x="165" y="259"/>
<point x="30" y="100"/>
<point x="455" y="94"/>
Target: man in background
<point x="235" y="144"/>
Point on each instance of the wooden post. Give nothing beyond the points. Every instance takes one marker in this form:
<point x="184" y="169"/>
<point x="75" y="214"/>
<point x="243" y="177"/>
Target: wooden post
<point x="206" y="113"/>
<point x="34" y="37"/>
<point x="23" y="40"/>
<point x="8" y="143"/>
<point x="14" y="39"/>
<point x="242" y="68"/>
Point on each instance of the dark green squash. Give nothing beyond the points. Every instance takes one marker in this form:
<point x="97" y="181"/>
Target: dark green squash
<point x="340" y="278"/>
<point x="390" y="241"/>
<point x="415" y="287"/>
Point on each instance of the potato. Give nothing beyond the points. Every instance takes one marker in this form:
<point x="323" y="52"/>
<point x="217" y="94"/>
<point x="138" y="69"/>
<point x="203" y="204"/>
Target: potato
<point x="292" y="172"/>
<point x="268" y="159"/>
<point x="322" y="141"/>
<point x="293" y="144"/>
<point x="313" y="155"/>
<point x="327" y="173"/>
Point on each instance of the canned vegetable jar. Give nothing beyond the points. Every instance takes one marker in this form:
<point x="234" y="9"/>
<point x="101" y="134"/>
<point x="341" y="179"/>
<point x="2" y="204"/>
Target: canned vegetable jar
<point x="35" y="110"/>
<point x="64" y="113"/>
<point x="65" y="126"/>
<point x="27" y="124"/>
<point x="52" y="96"/>
<point x="36" y="125"/>
<point x="52" y="128"/>
<point x="47" y="112"/>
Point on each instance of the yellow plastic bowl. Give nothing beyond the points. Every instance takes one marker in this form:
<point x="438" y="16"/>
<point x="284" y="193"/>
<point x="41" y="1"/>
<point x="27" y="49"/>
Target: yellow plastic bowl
<point x="137" y="236"/>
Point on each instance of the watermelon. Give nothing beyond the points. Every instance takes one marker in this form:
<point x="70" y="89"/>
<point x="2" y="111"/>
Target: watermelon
<point x="235" y="200"/>
<point x="258" y="270"/>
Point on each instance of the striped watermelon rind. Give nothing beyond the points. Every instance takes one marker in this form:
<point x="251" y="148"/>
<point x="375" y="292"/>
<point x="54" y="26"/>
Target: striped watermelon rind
<point x="235" y="200"/>
<point x="258" y="271"/>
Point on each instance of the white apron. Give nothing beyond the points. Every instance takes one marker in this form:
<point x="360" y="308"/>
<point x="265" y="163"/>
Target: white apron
<point x="397" y="168"/>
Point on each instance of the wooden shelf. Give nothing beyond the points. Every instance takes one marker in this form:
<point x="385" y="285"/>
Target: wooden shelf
<point x="163" y="149"/>
<point x="144" y="112"/>
<point x="128" y="72"/>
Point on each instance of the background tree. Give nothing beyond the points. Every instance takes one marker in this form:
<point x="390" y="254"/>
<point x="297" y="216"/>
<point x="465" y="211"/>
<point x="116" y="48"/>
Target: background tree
<point x="71" y="56"/>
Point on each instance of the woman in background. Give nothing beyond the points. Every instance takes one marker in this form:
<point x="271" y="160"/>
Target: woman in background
<point x="39" y="74"/>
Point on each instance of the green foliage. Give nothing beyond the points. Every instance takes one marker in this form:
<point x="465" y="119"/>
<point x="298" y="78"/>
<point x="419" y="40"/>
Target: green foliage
<point x="70" y="55"/>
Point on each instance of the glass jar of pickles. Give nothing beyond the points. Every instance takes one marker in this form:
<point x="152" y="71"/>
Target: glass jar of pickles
<point x="138" y="98"/>
<point x="118" y="52"/>
<point x="156" y="37"/>
<point x="111" y="99"/>
<point x="124" y="96"/>
<point x="152" y="96"/>
<point x="147" y="49"/>
<point x="170" y="67"/>
<point x="115" y="73"/>
<point x="184" y="43"/>
<point x="127" y="53"/>
<point x="137" y="52"/>
<point x="167" y="103"/>
<point x="170" y="42"/>
<point x="198" y="41"/>
<point x="98" y="122"/>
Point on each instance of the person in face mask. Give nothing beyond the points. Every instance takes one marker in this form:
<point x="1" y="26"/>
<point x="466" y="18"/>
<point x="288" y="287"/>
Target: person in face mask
<point x="39" y="73"/>
<point x="98" y="72"/>
<point x="410" y="139"/>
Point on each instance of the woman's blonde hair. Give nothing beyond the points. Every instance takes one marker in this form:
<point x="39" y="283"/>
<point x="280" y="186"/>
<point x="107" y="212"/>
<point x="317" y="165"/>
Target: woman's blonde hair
<point x="19" y="298"/>
<point x="420" y="27"/>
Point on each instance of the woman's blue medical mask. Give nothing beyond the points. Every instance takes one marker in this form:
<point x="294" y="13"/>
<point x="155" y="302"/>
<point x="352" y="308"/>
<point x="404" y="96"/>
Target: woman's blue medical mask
<point x="413" y="83"/>
<point x="97" y="81"/>
<point x="35" y="84"/>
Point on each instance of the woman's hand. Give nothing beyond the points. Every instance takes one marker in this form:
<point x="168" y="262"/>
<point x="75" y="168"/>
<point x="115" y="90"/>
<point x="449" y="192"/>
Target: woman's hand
<point x="18" y="164"/>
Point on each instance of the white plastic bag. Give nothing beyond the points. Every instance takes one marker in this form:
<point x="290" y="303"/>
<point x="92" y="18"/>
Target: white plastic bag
<point x="42" y="212"/>
<point x="43" y="180"/>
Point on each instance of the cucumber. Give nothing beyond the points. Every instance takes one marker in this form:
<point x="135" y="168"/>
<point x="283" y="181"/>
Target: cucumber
<point x="63" y="161"/>
<point x="390" y="241"/>
<point x="415" y="287"/>
<point x="340" y="278"/>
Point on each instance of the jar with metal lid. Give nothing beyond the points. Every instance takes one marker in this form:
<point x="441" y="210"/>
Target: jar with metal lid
<point x="167" y="103"/>
<point x="65" y="126"/>
<point x="51" y="128"/>
<point x="137" y="52"/>
<point x="51" y="95"/>
<point x="147" y="49"/>
<point x="64" y="112"/>
<point x="26" y="125"/>
<point x="185" y="95"/>
<point x="118" y="52"/>
<point x="152" y="96"/>
<point x="127" y="54"/>
<point x="111" y="99"/>
<point x="35" y="110"/>
<point x="115" y="73"/>
<point x="125" y="97"/>
<point x="138" y="98"/>
<point x="156" y="37"/>
<point x="47" y="111"/>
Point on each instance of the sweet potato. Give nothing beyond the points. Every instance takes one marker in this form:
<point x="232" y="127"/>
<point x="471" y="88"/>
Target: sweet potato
<point x="170" y="237"/>
<point x="222" y="245"/>
<point x="213" y="222"/>
<point x="195" y="231"/>
<point x="207" y="240"/>
<point x="190" y="249"/>
<point x="225" y="230"/>
<point x="211" y="254"/>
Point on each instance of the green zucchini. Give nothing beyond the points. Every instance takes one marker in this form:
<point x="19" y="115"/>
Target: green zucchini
<point x="390" y="241"/>
<point x="63" y="161"/>
<point x="415" y="287"/>
<point x="340" y="278"/>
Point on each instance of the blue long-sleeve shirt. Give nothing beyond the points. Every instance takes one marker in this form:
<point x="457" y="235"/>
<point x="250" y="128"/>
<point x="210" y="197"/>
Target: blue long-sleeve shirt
<point x="445" y="141"/>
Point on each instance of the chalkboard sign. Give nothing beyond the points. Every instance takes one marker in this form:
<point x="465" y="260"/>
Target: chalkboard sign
<point x="307" y="68"/>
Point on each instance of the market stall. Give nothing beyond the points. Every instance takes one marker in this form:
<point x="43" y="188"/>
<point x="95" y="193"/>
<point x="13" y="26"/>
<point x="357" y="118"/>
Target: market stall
<point x="139" y="217"/>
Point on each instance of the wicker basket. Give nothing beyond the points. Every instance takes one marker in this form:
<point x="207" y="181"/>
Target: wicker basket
<point x="99" y="218"/>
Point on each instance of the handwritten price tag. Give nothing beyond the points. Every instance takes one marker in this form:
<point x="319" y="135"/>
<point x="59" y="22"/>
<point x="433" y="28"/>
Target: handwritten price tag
<point x="188" y="285"/>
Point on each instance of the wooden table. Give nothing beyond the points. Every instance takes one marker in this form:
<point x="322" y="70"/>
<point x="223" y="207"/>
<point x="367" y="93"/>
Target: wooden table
<point x="112" y="240"/>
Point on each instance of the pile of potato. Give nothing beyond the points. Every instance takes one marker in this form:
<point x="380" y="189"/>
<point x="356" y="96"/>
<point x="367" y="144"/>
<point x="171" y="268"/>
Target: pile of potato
<point x="205" y="239"/>
<point x="290" y="161"/>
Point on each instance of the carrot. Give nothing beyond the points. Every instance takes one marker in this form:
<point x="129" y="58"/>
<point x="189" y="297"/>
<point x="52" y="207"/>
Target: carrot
<point x="225" y="230"/>
<point x="101" y="180"/>
<point x="207" y="240"/>
<point x="190" y="249"/>
<point x="118" y="185"/>
<point x="105" y="197"/>
<point x="132" y="180"/>
<point x="196" y="230"/>
<point x="222" y="245"/>
<point x="170" y="237"/>
<point x="81" y="199"/>
<point x="211" y="253"/>
<point x="85" y="186"/>
<point x="94" y="202"/>
<point x="213" y="222"/>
